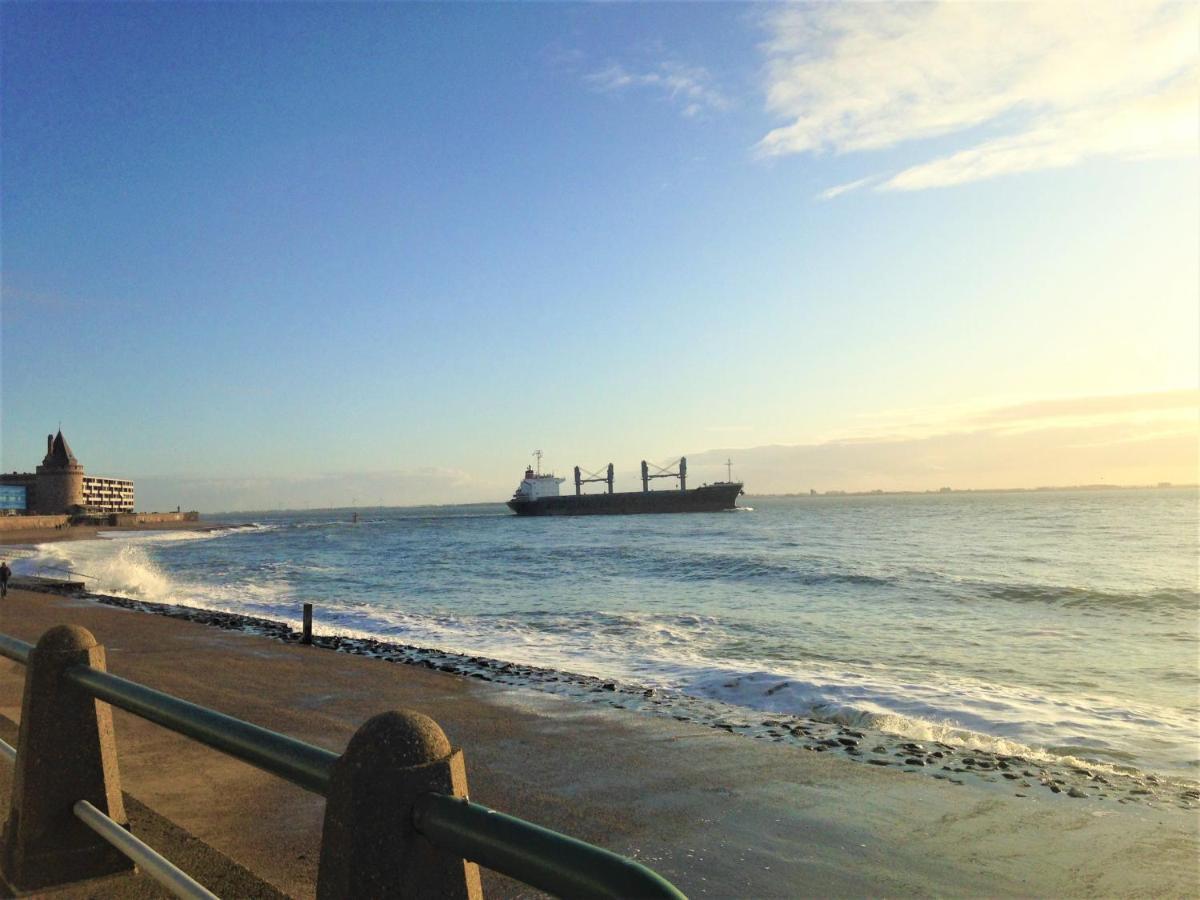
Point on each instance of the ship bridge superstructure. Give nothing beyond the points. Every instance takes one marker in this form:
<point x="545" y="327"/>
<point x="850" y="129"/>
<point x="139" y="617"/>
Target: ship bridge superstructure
<point x="536" y="485"/>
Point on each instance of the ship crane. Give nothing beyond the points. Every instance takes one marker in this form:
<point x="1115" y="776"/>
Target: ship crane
<point x="664" y="472"/>
<point x="580" y="481"/>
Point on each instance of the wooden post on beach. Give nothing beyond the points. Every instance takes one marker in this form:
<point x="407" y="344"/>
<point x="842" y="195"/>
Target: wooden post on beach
<point x="66" y="752"/>
<point x="307" y="636"/>
<point x="369" y="845"/>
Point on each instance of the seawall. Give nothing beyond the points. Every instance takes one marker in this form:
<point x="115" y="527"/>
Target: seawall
<point x="156" y="518"/>
<point x="28" y="523"/>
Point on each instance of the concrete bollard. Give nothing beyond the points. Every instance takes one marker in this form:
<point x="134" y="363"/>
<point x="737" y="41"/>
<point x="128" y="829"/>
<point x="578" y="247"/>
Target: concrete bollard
<point x="66" y="752"/>
<point x="369" y="845"/>
<point x="306" y="637"/>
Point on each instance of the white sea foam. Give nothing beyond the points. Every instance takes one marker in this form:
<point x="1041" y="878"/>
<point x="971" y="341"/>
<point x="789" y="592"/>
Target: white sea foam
<point x="687" y="619"/>
<point x="121" y="563"/>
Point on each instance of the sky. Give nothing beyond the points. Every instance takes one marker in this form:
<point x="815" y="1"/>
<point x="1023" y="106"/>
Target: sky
<point x="275" y="255"/>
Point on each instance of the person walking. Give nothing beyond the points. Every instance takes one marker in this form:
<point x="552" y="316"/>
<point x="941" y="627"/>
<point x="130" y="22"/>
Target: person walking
<point x="5" y="574"/>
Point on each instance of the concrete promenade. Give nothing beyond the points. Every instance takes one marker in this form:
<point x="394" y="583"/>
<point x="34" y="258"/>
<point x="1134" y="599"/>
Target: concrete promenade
<point x="719" y="814"/>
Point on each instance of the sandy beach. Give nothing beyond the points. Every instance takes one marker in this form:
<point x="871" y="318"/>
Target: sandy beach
<point x="719" y="814"/>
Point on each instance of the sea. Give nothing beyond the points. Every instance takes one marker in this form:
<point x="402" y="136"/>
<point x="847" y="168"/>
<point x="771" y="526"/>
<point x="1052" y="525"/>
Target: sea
<point x="1058" y="623"/>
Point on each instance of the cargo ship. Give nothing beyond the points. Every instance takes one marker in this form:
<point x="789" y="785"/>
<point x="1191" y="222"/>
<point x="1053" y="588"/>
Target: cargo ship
<point x="538" y="494"/>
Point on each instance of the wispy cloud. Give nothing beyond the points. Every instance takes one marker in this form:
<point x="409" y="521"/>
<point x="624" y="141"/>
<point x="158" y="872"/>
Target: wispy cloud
<point x="690" y="88"/>
<point x="1110" y="405"/>
<point x="1049" y="84"/>
<point x="838" y="190"/>
<point x="1121" y="439"/>
<point x="1179" y="407"/>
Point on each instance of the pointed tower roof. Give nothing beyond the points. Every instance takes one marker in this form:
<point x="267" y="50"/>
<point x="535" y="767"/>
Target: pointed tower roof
<point x="60" y="453"/>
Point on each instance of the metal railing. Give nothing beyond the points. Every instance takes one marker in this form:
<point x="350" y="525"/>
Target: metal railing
<point x="153" y="863"/>
<point x="547" y="860"/>
<point x="290" y="759"/>
<point x="14" y="649"/>
<point x="537" y="856"/>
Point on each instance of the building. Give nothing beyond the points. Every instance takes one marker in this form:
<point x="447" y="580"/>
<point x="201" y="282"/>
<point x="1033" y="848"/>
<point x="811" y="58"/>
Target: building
<point x="60" y="486"/>
<point x="12" y="499"/>
<point x="107" y="494"/>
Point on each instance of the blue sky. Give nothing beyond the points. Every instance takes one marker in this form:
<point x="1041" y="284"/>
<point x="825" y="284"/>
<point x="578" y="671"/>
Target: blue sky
<point x="259" y="254"/>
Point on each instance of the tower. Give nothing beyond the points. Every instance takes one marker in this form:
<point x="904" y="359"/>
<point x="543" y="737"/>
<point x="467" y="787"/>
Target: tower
<point x="59" y="478"/>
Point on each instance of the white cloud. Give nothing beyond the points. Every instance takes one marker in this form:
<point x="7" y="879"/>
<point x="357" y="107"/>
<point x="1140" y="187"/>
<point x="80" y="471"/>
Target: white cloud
<point x="690" y="87"/>
<point x="1052" y="83"/>
<point x="838" y="190"/>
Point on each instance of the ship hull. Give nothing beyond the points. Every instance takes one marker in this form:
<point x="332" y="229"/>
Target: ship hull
<point x="710" y="498"/>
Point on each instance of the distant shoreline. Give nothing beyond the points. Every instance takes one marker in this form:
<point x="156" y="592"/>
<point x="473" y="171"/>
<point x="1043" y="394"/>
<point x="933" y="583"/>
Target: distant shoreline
<point x="830" y="493"/>
<point x="1020" y="490"/>
<point x="222" y="518"/>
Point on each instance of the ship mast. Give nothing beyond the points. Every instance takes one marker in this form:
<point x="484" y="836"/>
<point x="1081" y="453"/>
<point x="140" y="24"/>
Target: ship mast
<point x="729" y="470"/>
<point x="538" y="454"/>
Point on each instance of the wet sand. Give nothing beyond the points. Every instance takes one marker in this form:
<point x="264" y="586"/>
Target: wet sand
<point x="719" y="814"/>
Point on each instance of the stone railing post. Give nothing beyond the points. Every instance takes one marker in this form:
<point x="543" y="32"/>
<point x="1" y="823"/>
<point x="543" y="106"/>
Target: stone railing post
<point x="66" y="752"/>
<point x="369" y="846"/>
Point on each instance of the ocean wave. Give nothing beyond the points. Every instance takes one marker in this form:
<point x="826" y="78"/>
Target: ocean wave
<point x="123" y="564"/>
<point x="972" y="715"/>
<point x="689" y="566"/>
<point x="1088" y="598"/>
<point x="923" y="646"/>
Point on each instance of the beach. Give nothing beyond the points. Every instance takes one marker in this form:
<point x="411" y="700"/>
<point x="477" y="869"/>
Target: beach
<point x="717" y="813"/>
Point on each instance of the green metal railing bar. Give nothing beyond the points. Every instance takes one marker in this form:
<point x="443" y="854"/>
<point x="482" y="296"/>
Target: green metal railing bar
<point x="539" y="857"/>
<point x="298" y="762"/>
<point x="16" y="650"/>
<point x="153" y="863"/>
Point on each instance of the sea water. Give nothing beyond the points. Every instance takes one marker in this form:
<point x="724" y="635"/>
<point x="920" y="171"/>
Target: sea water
<point x="1065" y="622"/>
